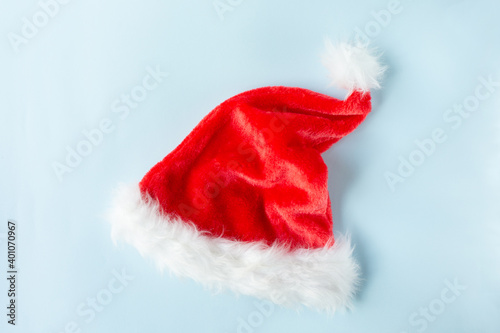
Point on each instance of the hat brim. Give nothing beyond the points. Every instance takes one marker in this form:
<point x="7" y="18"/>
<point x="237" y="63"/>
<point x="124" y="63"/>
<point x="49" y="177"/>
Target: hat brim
<point x="324" y="279"/>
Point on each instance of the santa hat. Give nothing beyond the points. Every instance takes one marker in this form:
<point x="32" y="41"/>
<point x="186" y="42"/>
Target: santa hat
<point x="242" y="203"/>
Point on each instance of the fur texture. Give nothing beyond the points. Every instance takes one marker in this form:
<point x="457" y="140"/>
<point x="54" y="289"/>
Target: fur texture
<point x="352" y="67"/>
<point x="252" y="169"/>
<point x="323" y="278"/>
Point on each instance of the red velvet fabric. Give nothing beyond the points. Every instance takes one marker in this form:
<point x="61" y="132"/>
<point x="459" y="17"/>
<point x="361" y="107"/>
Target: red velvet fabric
<point x="252" y="169"/>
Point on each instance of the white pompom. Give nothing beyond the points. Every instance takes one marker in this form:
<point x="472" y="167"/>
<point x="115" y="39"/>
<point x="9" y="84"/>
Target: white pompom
<point x="352" y="67"/>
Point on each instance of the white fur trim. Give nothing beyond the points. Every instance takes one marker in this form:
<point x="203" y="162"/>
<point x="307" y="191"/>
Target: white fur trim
<point x="352" y="67"/>
<point x="324" y="279"/>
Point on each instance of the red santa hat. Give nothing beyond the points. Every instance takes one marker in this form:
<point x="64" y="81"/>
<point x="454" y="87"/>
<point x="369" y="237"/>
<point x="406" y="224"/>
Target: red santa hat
<point x="242" y="203"/>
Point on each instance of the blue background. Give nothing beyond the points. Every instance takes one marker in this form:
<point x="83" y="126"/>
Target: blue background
<point x="441" y="225"/>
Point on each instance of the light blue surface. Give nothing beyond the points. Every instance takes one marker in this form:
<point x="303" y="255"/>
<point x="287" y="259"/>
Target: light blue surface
<point x="440" y="226"/>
